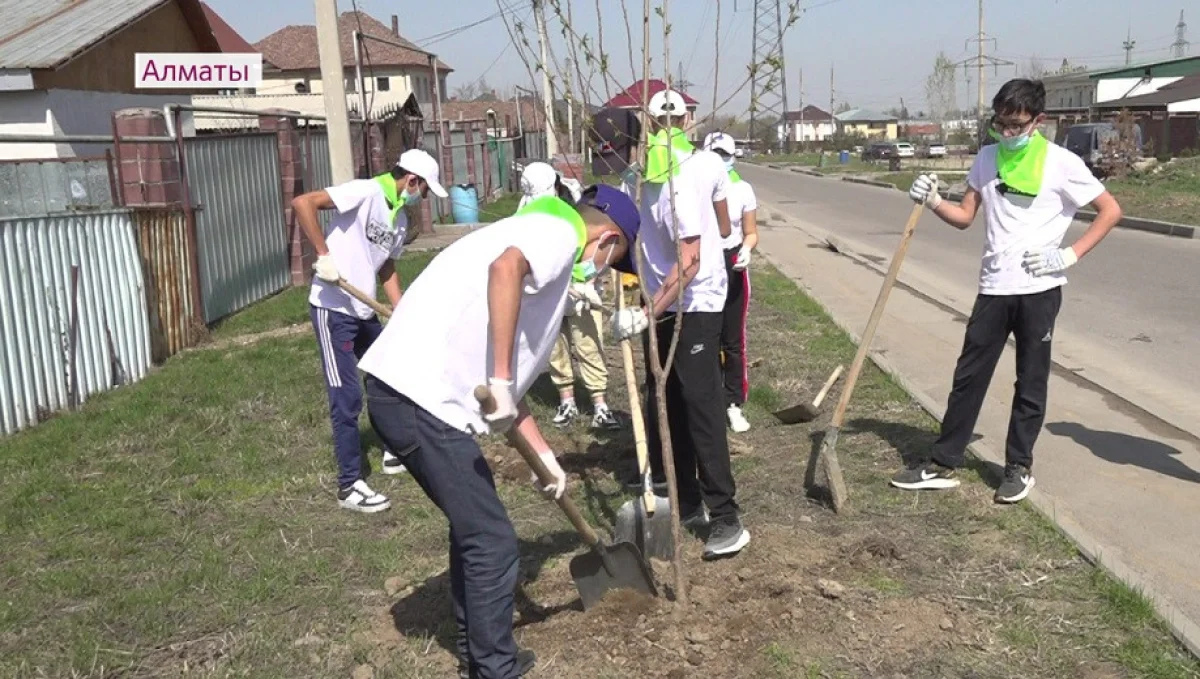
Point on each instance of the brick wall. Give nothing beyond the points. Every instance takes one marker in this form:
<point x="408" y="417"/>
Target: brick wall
<point x="301" y="255"/>
<point x="147" y="173"/>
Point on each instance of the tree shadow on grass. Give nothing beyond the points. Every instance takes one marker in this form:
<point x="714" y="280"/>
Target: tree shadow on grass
<point x="912" y="443"/>
<point x="427" y="612"/>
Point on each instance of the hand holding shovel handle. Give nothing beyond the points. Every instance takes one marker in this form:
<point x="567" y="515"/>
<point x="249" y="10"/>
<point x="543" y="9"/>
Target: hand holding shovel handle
<point x="488" y="404"/>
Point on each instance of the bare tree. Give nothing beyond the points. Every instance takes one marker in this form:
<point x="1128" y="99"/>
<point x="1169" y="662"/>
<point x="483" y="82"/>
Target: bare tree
<point x="940" y="89"/>
<point x="1034" y="70"/>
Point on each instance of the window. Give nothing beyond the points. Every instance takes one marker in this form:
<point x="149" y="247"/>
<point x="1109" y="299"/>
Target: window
<point x="383" y="84"/>
<point x="351" y="85"/>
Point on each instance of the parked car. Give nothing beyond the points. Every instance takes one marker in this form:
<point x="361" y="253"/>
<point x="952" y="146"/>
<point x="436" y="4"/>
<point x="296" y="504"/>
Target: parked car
<point x="881" y="151"/>
<point x="1086" y="140"/>
<point x="937" y="150"/>
<point x="905" y="150"/>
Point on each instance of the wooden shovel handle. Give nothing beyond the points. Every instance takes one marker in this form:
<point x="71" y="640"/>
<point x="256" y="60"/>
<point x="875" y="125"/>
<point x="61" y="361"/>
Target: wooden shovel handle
<point x="828" y="385"/>
<point x="635" y="404"/>
<point x="488" y="404"/>
<point x="864" y="344"/>
<point x="362" y="297"/>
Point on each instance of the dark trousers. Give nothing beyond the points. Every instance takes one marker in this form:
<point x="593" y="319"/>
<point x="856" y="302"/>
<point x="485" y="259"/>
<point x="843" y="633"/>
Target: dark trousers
<point x="696" y="414"/>
<point x="342" y="340"/>
<point x="1030" y="320"/>
<point x="451" y="469"/>
<point x="733" y="333"/>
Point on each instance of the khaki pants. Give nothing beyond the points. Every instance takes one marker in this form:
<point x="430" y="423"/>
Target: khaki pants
<point x="580" y="337"/>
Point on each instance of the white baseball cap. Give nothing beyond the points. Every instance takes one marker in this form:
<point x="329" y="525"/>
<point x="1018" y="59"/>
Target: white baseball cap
<point x="667" y="102"/>
<point x="719" y="141"/>
<point x="538" y="179"/>
<point x="424" y="166"/>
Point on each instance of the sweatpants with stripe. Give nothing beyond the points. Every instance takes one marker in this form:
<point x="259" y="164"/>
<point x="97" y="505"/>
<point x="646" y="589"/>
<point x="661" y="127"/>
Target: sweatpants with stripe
<point x="342" y="340"/>
<point x="1030" y="319"/>
<point x="733" y="333"/>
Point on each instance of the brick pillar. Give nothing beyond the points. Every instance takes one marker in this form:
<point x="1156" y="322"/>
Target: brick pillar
<point x="469" y="140"/>
<point x="378" y="161"/>
<point x="291" y="181"/>
<point x="148" y="173"/>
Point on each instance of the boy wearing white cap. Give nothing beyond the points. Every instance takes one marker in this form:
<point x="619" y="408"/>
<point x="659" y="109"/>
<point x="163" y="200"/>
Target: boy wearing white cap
<point x="365" y="236"/>
<point x="738" y="245"/>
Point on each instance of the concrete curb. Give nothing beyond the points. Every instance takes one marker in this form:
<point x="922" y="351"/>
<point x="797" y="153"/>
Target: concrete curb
<point x="1183" y="628"/>
<point x="870" y="182"/>
<point x="806" y="171"/>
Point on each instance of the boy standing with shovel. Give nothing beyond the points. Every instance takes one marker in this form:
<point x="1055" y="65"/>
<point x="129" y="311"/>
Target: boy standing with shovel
<point x="487" y="310"/>
<point x="1029" y="189"/>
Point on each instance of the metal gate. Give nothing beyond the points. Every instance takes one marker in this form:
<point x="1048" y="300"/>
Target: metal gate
<point x="234" y="183"/>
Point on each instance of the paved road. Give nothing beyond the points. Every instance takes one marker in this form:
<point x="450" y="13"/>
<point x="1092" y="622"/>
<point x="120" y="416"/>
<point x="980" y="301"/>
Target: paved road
<point x="1131" y="311"/>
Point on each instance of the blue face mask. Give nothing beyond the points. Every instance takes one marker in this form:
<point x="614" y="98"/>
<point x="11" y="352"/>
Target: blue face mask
<point x="589" y="270"/>
<point x="412" y="198"/>
<point x="729" y="163"/>
<point x="1015" y="143"/>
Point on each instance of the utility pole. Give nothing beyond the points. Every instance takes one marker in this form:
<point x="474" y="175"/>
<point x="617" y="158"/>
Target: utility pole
<point x="979" y="61"/>
<point x="832" y="118"/>
<point x="979" y="104"/>
<point x="1180" y="46"/>
<point x="547" y="95"/>
<point x="1128" y="46"/>
<point x="337" y="120"/>
<point x="800" y="136"/>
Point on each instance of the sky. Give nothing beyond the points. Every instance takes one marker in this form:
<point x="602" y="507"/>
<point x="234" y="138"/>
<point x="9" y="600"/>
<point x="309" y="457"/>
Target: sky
<point x="881" y="51"/>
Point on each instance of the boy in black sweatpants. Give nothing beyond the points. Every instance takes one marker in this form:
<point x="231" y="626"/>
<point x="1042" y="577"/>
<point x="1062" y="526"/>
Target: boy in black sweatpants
<point x="1029" y="189"/>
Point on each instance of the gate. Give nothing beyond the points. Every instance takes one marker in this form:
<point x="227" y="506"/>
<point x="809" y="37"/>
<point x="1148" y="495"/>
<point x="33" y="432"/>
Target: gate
<point x="234" y="184"/>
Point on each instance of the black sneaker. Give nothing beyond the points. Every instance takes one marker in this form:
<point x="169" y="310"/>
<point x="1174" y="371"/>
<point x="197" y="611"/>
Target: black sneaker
<point x="392" y="464"/>
<point x="1018" y="481"/>
<point x="726" y="537"/>
<point x="603" y="418"/>
<point x="696" y="520"/>
<point x="526" y="659"/>
<point x="925" y="475"/>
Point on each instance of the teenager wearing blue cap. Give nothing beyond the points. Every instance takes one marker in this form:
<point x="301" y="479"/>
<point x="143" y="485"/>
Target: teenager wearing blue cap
<point x="487" y="310"/>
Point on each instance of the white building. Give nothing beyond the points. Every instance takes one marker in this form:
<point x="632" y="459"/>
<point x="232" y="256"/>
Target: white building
<point x="809" y="124"/>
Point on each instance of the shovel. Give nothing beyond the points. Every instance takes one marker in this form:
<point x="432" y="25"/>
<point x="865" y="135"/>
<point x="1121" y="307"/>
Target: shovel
<point x="645" y="522"/>
<point x="807" y="412"/>
<point x="361" y="296"/>
<point x="605" y="567"/>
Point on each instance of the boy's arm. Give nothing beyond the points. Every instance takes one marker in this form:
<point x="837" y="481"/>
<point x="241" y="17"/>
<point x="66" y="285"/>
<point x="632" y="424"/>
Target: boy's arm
<point x="1108" y="214"/>
<point x="505" y="275"/>
<point x="724" y="225"/>
<point x="391" y="282"/>
<point x="680" y="275"/>
<point x="959" y="216"/>
<point x="306" y="207"/>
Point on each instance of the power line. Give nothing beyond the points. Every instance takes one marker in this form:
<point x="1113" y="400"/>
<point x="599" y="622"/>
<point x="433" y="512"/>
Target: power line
<point x="452" y="32"/>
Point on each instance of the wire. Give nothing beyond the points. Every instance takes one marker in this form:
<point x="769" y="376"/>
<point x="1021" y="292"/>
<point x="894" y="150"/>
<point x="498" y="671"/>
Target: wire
<point x="452" y="32"/>
<point x="370" y="103"/>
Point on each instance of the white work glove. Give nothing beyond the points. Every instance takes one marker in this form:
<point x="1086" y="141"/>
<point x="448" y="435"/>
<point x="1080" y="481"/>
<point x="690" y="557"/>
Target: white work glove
<point x="555" y="490"/>
<point x="1050" y="260"/>
<point x="326" y="269"/>
<point x="743" y="259"/>
<point x="501" y="419"/>
<point x="924" y="190"/>
<point x="627" y="323"/>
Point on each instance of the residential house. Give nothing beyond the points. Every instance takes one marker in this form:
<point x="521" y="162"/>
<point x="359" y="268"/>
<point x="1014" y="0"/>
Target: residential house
<point x="1169" y="117"/>
<point x="229" y="40"/>
<point x="810" y="124"/>
<point x="870" y="124"/>
<point x="631" y="98"/>
<point x="66" y="66"/>
<point x="1082" y="89"/>
<point x="921" y="130"/>
<point x="508" y="122"/>
<point x="393" y="68"/>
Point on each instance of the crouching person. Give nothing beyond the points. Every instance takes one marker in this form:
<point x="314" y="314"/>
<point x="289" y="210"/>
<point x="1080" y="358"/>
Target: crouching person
<point x="487" y="310"/>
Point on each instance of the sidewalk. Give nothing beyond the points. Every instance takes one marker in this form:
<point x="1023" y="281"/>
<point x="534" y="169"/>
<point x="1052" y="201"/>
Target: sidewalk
<point x="1122" y="484"/>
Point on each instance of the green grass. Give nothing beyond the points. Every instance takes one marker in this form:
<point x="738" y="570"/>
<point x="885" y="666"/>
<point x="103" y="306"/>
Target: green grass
<point x="1172" y="194"/>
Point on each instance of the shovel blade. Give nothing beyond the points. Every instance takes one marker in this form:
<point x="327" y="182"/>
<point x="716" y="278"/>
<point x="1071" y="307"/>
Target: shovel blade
<point x="805" y="412"/>
<point x="650" y="534"/>
<point x="831" y="470"/>
<point x="609" y="567"/>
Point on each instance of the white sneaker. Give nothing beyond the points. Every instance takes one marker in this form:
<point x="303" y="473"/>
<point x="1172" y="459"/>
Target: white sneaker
<point x="737" y="421"/>
<point x="361" y="498"/>
<point x="392" y="464"/>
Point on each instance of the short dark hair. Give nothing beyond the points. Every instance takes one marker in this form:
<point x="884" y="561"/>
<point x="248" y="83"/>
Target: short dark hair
<point x="562" y="191"/>
<point x="1020" y="95"/>
<point x="399" y="172"/>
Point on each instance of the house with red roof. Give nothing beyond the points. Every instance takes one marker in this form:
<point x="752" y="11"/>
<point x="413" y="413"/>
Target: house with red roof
<point x="631" y="98"/>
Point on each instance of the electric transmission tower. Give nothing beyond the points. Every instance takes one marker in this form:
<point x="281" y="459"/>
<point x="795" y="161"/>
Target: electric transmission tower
<point x="979" y="61"/>
<point x="768" y="88"/>
<point x="1180" y="46"/>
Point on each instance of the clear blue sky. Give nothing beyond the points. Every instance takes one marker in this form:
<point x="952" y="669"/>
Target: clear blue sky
<point x="881" y="50"/>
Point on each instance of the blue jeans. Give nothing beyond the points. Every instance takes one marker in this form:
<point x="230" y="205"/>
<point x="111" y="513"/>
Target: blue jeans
<point x="451" y="469"/>
<point x="342" y="340"/>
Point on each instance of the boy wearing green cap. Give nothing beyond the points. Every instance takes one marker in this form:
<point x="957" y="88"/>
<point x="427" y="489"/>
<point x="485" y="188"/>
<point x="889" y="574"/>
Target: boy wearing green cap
<point x="1029" y="190"/>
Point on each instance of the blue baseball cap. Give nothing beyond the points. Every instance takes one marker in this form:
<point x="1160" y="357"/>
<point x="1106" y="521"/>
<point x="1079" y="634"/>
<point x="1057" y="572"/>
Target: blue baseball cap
<point x="620" y="209"/>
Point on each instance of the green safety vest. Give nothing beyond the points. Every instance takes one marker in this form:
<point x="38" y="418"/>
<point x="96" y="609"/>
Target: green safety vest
<point x="1022" y="170"/>
<point x="553" y="206"/>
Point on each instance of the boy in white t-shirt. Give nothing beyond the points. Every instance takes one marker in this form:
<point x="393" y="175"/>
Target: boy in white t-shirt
<point x="365" y="237"/>
<point x="1029" y="190"/>
<point x="743" y="207"/>
<point x="682" y="197"/>
<point x="486" y="310"/>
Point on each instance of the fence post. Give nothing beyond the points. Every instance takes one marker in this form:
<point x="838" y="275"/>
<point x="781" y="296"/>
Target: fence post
<point x="487" y="165"/>
<point x="447" y="168"/>
<point x="469" y="145"/>
<point x="291" y="177"/>
<point x="149" y="172"/>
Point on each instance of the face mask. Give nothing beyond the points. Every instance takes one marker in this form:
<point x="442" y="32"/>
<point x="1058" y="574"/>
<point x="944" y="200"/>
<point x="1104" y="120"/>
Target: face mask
<point x="1015" y="143"/>
<point x="412" y="198"/>
<point x="589" y="270"/>
<point x="729" y="163"/>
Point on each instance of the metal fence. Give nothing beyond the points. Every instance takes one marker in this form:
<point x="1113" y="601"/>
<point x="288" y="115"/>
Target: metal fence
<point x="234" y="182"/>
<point x="36" y="187"/>
<point x="62" y="342"/>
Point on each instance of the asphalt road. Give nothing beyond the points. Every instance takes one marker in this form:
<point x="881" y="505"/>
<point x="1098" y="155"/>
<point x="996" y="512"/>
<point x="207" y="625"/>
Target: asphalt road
<point x="1131" y="311"/>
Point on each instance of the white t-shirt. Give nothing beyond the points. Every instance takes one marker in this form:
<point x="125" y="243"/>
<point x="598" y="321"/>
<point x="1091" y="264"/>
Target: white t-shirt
<point x="1017" y="223"/>
<point x="702" y="179"/>
<point x="741" y="200"/>
<point x="437" y="348"/>
<point x="360" y="240"/>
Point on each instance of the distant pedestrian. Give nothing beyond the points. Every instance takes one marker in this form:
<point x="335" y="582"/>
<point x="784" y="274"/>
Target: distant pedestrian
<point x="1029" y="189"/>
<point x="738" y="246"/>
<point x="365" y="237"/>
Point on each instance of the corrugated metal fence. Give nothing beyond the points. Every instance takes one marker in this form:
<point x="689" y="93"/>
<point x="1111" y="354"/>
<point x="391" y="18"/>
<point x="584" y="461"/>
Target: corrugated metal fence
<point x="166" y="256"/>
<point x="38" y="303"/>
<point x="234" y="181"/>
<point x="36" y="187"/>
